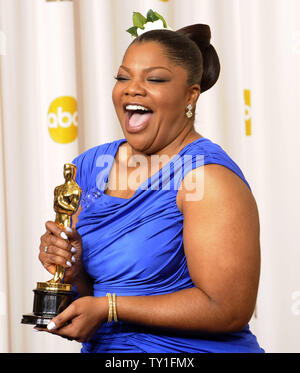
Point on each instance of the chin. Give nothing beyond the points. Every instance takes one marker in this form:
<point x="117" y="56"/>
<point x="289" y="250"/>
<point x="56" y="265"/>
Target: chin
<point x="141" y="141"/>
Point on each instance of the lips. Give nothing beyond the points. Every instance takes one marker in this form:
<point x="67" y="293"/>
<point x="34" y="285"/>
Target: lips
<point x="137" y="120"/>
<point x="131" y="104"/>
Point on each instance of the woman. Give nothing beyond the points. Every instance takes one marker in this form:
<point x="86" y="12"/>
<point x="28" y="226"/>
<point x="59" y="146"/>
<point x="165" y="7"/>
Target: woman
<point x="184" y="260"/>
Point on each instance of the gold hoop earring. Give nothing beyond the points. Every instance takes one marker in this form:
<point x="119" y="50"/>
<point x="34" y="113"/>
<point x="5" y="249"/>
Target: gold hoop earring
<point x="189" y="112"/>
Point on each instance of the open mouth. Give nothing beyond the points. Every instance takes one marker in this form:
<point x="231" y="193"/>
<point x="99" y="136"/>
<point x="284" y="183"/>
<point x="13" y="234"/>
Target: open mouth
<point x="137" y="116"/>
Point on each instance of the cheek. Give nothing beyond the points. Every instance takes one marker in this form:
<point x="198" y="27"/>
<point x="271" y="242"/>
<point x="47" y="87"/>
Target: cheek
<point x="173" y="91"/>
<point x="171" y="102"/>
<point x="116" y="96"/>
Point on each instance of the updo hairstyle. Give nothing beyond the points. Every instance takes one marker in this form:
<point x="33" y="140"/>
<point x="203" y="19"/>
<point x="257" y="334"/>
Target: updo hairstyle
<point x="190" y="48"/>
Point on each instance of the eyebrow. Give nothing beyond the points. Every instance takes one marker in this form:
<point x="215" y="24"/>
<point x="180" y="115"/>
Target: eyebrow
<point x="148" y="69"/>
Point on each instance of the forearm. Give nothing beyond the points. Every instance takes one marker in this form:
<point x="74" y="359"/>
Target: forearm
<point x="189" y="310"/>
<point x="83" y="284"/>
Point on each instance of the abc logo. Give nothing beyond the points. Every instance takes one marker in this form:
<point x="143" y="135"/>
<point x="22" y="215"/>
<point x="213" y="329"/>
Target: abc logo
<point x="62" y="119"/>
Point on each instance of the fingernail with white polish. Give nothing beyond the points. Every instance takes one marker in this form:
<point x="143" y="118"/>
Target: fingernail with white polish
<point x="51" y="325"/>
<point x="68" y="229"/>
<point x="73" y="250"/>
<point x="63" y="235"/>
<point x="69" y="264"/>
<point x="73" y="259"/>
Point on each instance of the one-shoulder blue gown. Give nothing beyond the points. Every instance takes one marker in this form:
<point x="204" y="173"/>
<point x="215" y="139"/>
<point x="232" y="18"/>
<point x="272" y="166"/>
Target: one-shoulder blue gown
<point x="135" y="247"/>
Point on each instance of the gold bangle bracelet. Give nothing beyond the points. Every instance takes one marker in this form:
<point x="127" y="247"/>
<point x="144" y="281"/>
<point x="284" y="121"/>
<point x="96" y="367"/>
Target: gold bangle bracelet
<point x="114" y="304"/>
<point x="110" y="308"/>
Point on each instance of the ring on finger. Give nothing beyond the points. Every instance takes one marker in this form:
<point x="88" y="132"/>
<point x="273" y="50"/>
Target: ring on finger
<point x="46" y="249"/>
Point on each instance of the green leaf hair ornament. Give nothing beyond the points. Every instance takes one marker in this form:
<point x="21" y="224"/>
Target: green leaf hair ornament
<point x="154" y="21"/>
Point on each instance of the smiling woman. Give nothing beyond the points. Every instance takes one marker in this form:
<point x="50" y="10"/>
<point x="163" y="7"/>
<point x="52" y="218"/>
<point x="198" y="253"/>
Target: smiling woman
<point x="148" y="78"/>
<point x="183" y="273"/>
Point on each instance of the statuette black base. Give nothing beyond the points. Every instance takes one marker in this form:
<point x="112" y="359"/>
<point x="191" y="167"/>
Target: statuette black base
<point x="48" y="303"/>
<point x="39" y="321"/>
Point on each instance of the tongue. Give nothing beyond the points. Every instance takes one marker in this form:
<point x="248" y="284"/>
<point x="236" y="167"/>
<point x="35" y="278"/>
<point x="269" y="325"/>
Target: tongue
<point x="138" y="119"/>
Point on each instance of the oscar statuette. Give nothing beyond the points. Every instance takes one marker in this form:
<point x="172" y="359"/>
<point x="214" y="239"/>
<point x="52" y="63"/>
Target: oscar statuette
<point x="53" y="296"/>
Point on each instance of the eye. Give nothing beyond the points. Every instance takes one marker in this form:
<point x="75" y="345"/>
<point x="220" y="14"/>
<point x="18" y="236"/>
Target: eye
<point x="120" y="78"/>
<point x="157" y="80"/>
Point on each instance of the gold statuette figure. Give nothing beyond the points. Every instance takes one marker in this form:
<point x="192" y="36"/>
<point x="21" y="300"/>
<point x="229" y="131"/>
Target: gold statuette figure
<point x="66" y="201"/>
<point x="52" y="297"/>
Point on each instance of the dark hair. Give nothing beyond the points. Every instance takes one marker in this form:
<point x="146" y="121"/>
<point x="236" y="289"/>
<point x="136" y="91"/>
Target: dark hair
<point x="190" y="47"/>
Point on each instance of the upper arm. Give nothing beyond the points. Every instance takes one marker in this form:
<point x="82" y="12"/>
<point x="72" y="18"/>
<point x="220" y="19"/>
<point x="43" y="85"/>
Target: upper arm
<point x="221" y="240"/>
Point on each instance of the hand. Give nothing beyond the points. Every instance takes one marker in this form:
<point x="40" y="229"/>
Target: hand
<point x="63" y="247"/>
<point x="84" y="316"/>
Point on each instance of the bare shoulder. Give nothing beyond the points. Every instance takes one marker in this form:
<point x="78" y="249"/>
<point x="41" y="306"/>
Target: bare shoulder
<point x="214" y="199"/>
<point x="213" y="182"/>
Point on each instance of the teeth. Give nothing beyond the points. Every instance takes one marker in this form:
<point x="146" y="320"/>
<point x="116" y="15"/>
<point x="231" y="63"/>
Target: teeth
<point x="136" y="107"/>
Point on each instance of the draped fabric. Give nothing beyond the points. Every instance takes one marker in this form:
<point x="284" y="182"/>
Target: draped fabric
<point x="135" y="246"/>
<point x="57" y="62"/>
<point x="129" y="243"/>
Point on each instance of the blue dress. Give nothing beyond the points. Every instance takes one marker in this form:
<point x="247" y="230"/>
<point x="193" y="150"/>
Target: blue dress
<point x="135" y="247"/>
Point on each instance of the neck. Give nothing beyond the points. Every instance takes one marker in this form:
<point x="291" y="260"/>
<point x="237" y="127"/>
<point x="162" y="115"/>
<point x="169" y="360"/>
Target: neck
<point x="186" y="136"/>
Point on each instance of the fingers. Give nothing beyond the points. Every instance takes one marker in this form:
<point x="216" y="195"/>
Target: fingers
<point x="62" y="325"/>
<point x="59" y="249"/>
<point x="61" y="320"/>
<point x="80" y="320"/>
<point x="65" y="233"/>
<point x="72" y="234"/>
<point x="58" y="256"/>
<point x="52" y="240"/>
<point x="53" y="228"/>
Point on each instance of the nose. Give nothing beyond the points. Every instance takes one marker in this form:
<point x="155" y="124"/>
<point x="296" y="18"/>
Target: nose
<point x="134" y="88"/>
